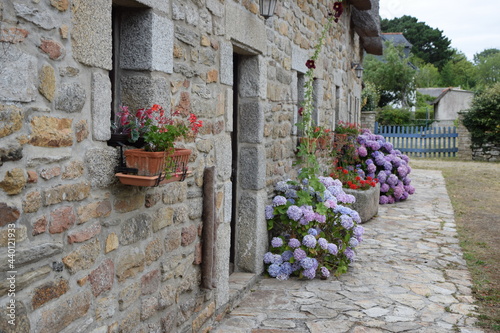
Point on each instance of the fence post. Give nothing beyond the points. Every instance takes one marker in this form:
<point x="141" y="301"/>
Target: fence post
<point x="464" y="140"/>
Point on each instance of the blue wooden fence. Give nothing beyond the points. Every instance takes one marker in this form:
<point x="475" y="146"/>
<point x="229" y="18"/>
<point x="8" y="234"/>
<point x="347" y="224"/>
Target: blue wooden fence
<point x="421" y="141"/>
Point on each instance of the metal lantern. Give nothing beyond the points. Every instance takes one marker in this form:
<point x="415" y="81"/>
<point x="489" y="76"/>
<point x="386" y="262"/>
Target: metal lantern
<point x="358" y="69"/>
<point x="267" y="8"/>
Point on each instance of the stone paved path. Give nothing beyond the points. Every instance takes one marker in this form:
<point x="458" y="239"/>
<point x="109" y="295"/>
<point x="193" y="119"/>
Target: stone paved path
<point x="409" y="277"/>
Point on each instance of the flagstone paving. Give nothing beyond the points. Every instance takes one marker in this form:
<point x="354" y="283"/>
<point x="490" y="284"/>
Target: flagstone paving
<point x="409" y="276"/>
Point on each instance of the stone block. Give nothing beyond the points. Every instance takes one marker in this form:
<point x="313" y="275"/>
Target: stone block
<point x="83" y="257"/>
<point x="48" y="291"/>
<point x="135" y="229"/>
<point x="11" y="117"/>
<point x="30" y="253"/>
<point x="175" y="192"/>
<point x="167" y="297"/>
<point x="249" y="83"/>
<point x="150" y="282"/>
<point x="188" y="235"/>
<point x="299" y="58"/>
<point x="130" y="321"/>
<point x="223" y="157"/>
<point x="203" y="316"/>
<point x="47" y="85"/>
<point x="93" y="210"/>
<point x="63" y="313"/>
<point x="60" y="5"/>
<point x="251" y="232"/>
<point x="53" y="49"/>
<point x="68" y="192"/>
<point x="8" y="213"/>
<point x="79" y="236"/>
<point x="149" y="306"/>
<point x="25" y="280"/>
<point x="105" y="308"/>
<point x="19" y="76"/>
<point x="154" y="250"/>
<point x="50" y="172"/>
<point x="14" y="181"/>
<point x="111" y="243"/>
<point x="101" y="106"/>
<point x="252" y="168"/>
<point x="139" y="91"/>
<point x="41" y="18"/>
<point x="222" y="251"/>
<point x="101" y="278"/>
<point x="173" y="240"/>
<point x="81" y="130"/>
<point x="70" y="97"/>
<point x="215" y="7"/>
<point x="22" y="320"/>
<point x="367" y="202"/>
<point x="40" y="226"/>
<point x="13" y="35"/>
<point x="164" y="218"/>
<point x="251" y="114"/>
<point x="228" y="202"/>
<point x="100" y="163"/>
<point x="32" y="202"/>
<point x="151" y="36"/>
<point x="73" y="170"/>
<point x="51" y="132"/>
<point x="237" y="21"/>
<point x="129" y="263"/>
<point x="91" y="33"/>
<point x="19" y="232"/>
<point x="61" y="219"/>
<point x="128" y="295"/>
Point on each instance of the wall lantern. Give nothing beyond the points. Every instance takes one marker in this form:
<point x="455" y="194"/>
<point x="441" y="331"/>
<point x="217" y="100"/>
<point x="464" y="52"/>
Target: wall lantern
<point x="267" y="8"/>
<point x="358" y="69"/>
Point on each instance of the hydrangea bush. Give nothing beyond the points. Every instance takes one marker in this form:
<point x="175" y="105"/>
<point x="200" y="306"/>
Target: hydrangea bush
<point x="380" y="160"/>
<point x="315" y="231"/>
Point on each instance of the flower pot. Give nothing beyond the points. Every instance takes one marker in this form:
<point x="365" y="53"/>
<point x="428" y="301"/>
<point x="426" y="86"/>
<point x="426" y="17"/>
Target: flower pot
<point x="155" y="163"/>
<point x="135" y="180"/>
<point x="367" y="202"/>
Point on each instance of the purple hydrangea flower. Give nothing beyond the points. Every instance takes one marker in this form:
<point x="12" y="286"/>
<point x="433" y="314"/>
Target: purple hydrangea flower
<point x="276" y="242"/>
<point x="382" y="177"/>
<point x="331" y="203"/>
<point x="350" y="254"/>
<point x="293" y="243"/>
<point x="383" y="200"/>
<point x="346" y="221"/>
<point x="291" y="193"/>
<point x="309" y="273"/>
<point x="279" y="200"/>
<point x="320" y="218"/>
<point x="274" y="270"/>
<point x="371" y="168"/>
<point x="358" y="231"/>
<point x="294" y="212"/>
<point x="286" y="268"/>
<point x="323" y="243"/>
<point x="387" y="165"/>
<point x="325" y="272"/>
<point x="362" y="151"/>
<point x="309" y="241"/>
<point x="277" y="259"/>
<point x="384" y="188"/>
<point x="281" y="186"/>
<point x="299" y="254"/>
<point x="269" y="212"/>
<point x="332" y="249"/>
<point x="353" y="242"/>
<point x="392" y="180"/>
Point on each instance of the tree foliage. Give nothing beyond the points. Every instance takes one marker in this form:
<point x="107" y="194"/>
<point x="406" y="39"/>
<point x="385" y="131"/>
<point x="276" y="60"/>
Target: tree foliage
<point x="483" y="119"/>
<point x="392" y="76"/>
<point x="429" y="44"/>
<point x="488" y="67"/>
<point x="459" y="72"/>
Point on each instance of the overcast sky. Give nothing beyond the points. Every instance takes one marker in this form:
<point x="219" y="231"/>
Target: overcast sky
<point x="472" y="26"/>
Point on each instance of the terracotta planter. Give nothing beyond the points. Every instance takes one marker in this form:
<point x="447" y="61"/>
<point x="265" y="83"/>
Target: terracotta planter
<point x="135" y="180"/>
<point x="157" y="163"/>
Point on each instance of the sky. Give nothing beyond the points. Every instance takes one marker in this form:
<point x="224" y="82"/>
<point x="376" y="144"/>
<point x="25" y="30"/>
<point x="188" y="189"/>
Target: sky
<point x="471" y="26"/>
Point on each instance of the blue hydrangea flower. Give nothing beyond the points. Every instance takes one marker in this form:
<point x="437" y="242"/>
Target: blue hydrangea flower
<point x="274" y="270"/>
<point x="307" y="263"/>
<point x="358" y="231"/>
<point x="286" y="268"/>
<point x="325" y="272"/>
<point x="309" y="241"/>
<point x="268" y="257"/>
<point x="281" y="186"/>
<point x="294" y="212"/>
<point x="291" y="193"/>
<point x="299" y="254"/>
<point x="279" y="200"/>
<point x="293" y="243"/>
<point x="286" y="255"/>
<point x="346" y="221"/>
<point x="276" y="242"/>
<point x="313" y="232"/>
<point x="277" y="259"/>
<point x="269" y="212"/>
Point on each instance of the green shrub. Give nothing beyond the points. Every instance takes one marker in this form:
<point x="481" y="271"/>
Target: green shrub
<point x="390" y="116"/>
<point x="483" y="119"/>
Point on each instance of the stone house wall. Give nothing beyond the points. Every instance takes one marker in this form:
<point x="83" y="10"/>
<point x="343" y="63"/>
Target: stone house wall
<point x="93" y="255"/>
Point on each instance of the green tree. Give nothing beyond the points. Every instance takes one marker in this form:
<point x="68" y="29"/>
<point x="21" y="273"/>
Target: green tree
<point x="427" y="76"/>
<point x="429" y="44"/>
<point x="483" y="119"/>
<point x="392" y="75"/>
<point x="488" y="67"/>
<point x="459" y="72"/>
